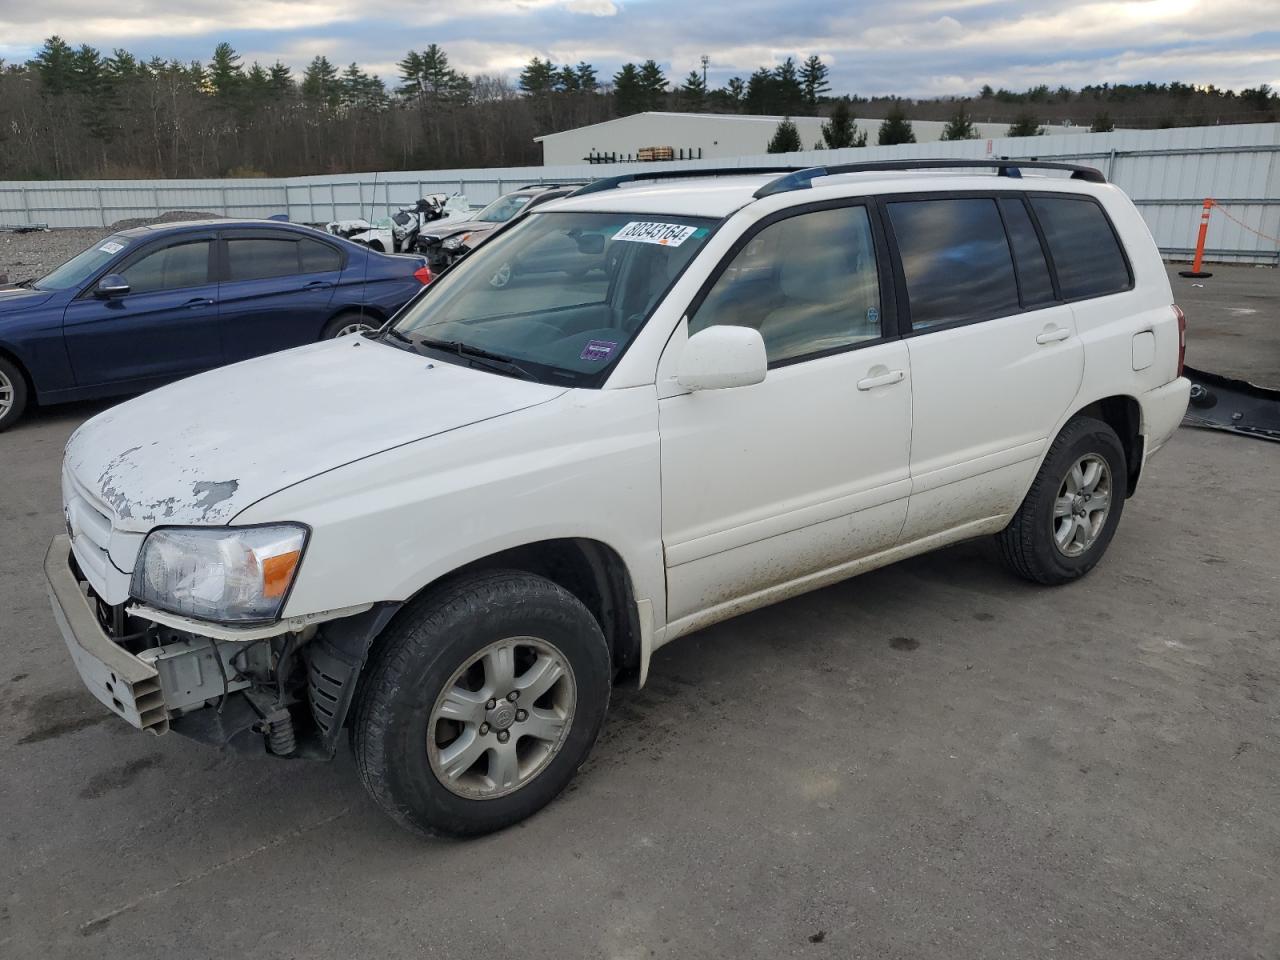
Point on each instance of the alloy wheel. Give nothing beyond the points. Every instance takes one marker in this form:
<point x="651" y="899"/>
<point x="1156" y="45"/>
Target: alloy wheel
<point x="1080" y="510"/>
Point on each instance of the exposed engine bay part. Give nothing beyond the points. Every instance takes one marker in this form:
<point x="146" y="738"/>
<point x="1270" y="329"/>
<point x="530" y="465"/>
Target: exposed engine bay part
<point x="1224" y="403"/>
<point x="398" y="233"/>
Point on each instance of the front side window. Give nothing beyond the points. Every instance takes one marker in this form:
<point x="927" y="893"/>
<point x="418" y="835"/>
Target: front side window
<point x="173" y="268"/>
<point x="807" y="283"/>
<point x="557" y="297"/>
<point x="1084" y="248"/>
<point x="955" y="260"/>
<point x="83" y="265"/>
<point x="260" y="258"/>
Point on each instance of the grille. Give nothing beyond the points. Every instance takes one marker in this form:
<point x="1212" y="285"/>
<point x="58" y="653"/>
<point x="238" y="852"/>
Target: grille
<point x="91" y="530"/>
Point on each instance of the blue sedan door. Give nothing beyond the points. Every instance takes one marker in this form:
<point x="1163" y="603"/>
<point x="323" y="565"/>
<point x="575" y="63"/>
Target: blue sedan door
<point x="275" y="290"/>
<point x="165" y="327"/>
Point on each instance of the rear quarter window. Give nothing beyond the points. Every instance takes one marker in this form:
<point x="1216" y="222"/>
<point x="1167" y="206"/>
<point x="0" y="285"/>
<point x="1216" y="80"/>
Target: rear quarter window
<point x="1086" y="252"/>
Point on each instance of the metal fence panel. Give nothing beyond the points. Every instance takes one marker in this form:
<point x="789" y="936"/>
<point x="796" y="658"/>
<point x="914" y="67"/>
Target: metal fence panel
<point x="1168" y="173"/>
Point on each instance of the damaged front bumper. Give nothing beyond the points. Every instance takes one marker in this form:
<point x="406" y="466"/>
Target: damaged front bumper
<point x="285" y="690"/>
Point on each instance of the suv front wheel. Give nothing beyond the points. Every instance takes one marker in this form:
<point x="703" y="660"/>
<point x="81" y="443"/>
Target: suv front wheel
<point x="480" y="704"/>
<point x="1071" y="512"/>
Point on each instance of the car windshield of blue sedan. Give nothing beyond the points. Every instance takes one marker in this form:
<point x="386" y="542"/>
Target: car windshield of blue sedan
<point x="556" y="298"/>
<point x="83" y="265"/>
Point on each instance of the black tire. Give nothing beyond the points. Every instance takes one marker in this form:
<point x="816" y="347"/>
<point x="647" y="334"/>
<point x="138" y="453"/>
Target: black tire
<point x="13" y="388"/>
<point x="345" y="319"/>
<point x="421" y="653"/>
<point x="1028" y="546"/>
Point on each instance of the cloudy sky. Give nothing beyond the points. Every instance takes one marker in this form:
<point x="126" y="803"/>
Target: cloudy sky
<point x="911" y="47"/>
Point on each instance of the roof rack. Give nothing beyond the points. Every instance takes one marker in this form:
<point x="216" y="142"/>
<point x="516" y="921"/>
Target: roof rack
<point x="612" y="183"/>
<point x="1004" y="167"/>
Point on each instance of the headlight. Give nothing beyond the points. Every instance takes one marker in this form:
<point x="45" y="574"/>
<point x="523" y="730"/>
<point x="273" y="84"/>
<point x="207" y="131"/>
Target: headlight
<point x="219" y="573"/>
<point x="454" y="242"/>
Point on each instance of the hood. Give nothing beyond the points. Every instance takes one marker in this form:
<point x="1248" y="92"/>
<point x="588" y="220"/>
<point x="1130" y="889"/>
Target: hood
<point x="21" y="298"/>
<point x="442" y="231"/>
<point x="201" y="450"/>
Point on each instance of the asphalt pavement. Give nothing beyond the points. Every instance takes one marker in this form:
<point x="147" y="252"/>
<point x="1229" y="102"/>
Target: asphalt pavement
<point x="934" y="760"/>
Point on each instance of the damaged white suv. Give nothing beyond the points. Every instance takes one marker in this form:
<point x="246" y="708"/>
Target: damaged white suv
<point x="450" y="537"/>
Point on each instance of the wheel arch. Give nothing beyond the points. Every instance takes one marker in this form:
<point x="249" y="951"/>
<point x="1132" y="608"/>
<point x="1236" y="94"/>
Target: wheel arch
<point x="1123" y="414"/>
<point x="589" y="569"/>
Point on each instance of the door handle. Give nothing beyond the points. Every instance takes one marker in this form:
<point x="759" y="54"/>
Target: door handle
<point x="318" y="285"/>
<point x="198" y="302"/>
<point x="881" y="379"/>
<point x="1053" y="335"/>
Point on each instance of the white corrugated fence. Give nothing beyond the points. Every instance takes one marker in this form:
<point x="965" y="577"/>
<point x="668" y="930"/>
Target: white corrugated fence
<point x="1168" y="173"/>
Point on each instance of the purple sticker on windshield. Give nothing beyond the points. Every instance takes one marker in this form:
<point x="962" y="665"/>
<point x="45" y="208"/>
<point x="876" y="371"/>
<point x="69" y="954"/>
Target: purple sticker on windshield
<point x="598" y="349"/>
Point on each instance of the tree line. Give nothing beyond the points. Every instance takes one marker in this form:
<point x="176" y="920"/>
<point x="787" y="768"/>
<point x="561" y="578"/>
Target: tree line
<point x="71" y="112"/>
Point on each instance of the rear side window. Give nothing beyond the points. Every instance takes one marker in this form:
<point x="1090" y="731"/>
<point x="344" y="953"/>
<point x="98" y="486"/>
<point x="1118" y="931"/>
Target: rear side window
<point x="1028" y="255"/>
<point x="173" y="268"/>
<point x="318" y="257"/>
<point x="955" y="260"/>
<point x="807" y="283"/>
<point x="259" y="258"/>
<point x="1084" y="248"/>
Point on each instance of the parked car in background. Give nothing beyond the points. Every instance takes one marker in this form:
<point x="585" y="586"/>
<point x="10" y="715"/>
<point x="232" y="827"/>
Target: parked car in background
<point x="152" y="304"/>
<point x="459" y="531"/>
<point x="444" y="243"/>
<point x="399" y="232"/>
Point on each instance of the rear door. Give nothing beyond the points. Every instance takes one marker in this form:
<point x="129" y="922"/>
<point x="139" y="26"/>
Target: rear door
<point x="165" y="327"/>
<point x="275" y="290"/>
<point x="995" y="357"/>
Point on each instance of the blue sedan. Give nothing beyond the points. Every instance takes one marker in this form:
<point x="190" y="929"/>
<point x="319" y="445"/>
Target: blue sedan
<point x="152" y="304"/>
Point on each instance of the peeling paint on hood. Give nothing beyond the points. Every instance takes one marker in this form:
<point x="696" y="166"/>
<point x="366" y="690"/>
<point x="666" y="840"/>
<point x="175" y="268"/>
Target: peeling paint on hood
<point x="202" y="450"/>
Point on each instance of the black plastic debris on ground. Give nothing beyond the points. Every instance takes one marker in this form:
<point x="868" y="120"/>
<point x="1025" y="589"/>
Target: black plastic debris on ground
<point x="1223" y="403"/>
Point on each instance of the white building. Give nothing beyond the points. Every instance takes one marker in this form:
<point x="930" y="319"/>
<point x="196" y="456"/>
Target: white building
<point x="712" y="135"/>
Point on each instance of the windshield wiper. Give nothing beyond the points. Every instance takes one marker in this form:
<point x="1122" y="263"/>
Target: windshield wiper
<point x="479" y="356"/>
<point x="393" y="332"/>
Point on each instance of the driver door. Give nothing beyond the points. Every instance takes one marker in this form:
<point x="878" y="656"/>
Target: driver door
<point x="165" y="327"/>
<point x="771" y="487"/>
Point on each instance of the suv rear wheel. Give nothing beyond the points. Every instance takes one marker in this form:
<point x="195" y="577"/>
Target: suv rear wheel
<point x="1071" y="512"/>
<point x="481" y="703"/>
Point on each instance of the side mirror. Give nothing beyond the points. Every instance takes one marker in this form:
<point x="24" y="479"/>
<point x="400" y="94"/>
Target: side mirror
<point x="720" y="357"/>
<point x="112" y="285"/>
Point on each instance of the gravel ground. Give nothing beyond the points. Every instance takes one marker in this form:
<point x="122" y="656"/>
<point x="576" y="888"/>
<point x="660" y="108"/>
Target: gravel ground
<point x="29" y="256"/>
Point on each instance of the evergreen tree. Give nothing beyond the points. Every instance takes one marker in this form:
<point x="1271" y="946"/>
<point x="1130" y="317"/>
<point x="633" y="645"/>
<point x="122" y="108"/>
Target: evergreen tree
<point x="1026" y="125"/>
<point x="653" y="84"/>
<point x="896" y="128"/>
<point x="538" y="78"/>
<point x="840" y="131"/>
<point x="735" y="89"/>
<point x="54" y="62"/>
<point x="1102" y="123"/>
<point x="758" y="96"/>
<point x="813" y="79"/>
<point x="320" y="83"/>
<point x="788" y="89"/>
<point x="693" y="93"/>
<point x="225" y="72"/>
<point x="257" y="83"/>
<point x="786" y="139"/>
<point x="123" y="65"/>
<point x="628" y="98"/>
<point x="410" y="76"/>
<point x="567" y="80"/>
<point x="960" y="126"/>
<point x="587" y="80"/>
<point x="281" y="79"/>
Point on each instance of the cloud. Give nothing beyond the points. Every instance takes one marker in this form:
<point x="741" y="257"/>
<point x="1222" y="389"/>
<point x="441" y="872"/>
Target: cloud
<point x="909" y="47"/>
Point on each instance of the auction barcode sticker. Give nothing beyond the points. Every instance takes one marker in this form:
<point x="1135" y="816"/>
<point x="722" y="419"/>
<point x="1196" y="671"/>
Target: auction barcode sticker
<point x="663" y="234"/>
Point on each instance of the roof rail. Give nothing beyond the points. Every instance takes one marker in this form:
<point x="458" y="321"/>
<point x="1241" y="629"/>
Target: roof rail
<point x="612" y="183"/>
<point x="1004" y="167"/>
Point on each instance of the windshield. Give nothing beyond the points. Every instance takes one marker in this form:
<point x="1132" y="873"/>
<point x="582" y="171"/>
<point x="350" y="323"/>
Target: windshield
<point x="559" y="295"/>
<point x="503" y="209"/>
<point x="82" y="266"/>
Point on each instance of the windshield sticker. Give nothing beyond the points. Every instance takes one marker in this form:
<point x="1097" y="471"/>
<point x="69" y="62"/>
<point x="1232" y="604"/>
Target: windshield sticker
<point x="111" y="246"/>
<point x="598" y="350"/>
<point x="663" y="234"/>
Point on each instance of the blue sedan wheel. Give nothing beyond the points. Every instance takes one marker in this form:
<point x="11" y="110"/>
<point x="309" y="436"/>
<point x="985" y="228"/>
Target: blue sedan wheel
<point x="13" y="394"/>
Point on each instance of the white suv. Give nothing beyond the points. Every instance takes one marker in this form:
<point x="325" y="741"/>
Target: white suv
<point x="452" y="535"/>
